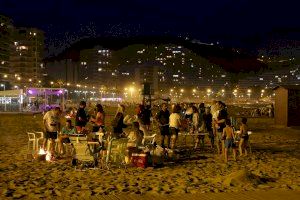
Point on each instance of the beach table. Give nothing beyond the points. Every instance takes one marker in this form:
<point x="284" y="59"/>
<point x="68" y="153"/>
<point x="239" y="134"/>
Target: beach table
<point x="77" y="137"/>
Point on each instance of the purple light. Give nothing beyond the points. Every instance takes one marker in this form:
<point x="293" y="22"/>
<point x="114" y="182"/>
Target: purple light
<point x="60" y="91"/>
<point x="30" y="92"/>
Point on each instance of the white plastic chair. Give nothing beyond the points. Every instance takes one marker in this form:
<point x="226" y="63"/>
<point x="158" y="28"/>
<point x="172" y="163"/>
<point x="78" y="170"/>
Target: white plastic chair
<point x="31" y="139"/>
<point x="38" y="139"/>
<point x="149" y="139"/>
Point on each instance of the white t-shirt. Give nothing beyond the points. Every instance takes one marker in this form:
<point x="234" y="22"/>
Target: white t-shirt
<point x="214" y="111"/>
<point x="51" y="121"/>
<point x="174" y="120"/>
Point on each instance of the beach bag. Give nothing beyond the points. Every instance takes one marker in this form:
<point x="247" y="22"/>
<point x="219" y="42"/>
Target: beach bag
<point x="157" y="155"/>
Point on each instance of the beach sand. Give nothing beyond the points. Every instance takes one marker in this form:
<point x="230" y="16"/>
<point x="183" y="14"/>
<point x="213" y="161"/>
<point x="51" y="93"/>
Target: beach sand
<point x="273" y="164"/>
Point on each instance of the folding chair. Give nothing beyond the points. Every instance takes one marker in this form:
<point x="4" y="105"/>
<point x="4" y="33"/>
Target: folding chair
<point x="149" y="139"/>
<point x="31" y="139"/>
<point x="83" y="155"/>
<point x="116" y="153"/>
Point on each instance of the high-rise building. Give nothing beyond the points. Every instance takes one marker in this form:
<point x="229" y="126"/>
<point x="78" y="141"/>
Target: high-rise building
<point x="147" y="74"/>
<point x="68" y="71"/>
<point x="6" y="29"/>
<point x="95" y="67"/>
<point x="26" y="55"/>
<point x="21" y="53"/>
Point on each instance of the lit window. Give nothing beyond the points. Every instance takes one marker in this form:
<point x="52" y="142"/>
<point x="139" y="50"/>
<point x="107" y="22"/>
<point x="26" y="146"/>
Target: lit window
<point x="22" y="48"/>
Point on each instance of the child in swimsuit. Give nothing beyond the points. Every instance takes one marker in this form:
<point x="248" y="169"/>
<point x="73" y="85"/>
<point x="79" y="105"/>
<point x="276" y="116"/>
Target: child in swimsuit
<point x="228" y="134"/>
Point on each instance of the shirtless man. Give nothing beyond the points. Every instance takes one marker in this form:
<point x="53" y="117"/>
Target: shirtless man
<point x="228" y="134"/>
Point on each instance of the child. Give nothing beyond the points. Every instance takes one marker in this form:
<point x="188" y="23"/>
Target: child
<point x="228" y="134"/>
<point x="244" y="137"/>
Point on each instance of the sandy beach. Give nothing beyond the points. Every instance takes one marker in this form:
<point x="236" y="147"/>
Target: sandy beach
<point x="273" y="164"/>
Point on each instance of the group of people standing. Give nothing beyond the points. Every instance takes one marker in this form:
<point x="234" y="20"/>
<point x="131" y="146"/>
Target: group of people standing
<point x="193" y="118"/>
<point x="212" y="119"/>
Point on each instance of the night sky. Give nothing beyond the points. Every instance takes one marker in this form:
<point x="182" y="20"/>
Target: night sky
<point x="241" y="23"/>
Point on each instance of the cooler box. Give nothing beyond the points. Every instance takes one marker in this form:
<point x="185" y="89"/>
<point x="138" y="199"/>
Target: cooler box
<point x="139" y="160"/>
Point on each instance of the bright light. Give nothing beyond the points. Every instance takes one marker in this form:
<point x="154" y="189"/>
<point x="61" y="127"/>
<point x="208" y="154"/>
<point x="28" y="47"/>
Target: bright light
<point x="40" y="81"/>
<point x="19" y="78"/>
<point x="194" y="90"/>
<point x="30" y="80"/>
<point x="68" y="84"/>
<point x="262" y="91"/>
<point x="5" y="75"/>
<point x="223" y="91"/>
<point x="51" y="82"/>
<point x="181" y="90"/>
<point x="235" y="91"/>
<point x="131" y="89"/>
<point x="171" y="90"/>
<point x="208" y="90"/>
<point x="249" y="91"/>
<point x="2" y="85"/>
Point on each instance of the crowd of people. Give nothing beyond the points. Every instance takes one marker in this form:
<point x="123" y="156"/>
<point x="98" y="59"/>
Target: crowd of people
<point x="213" y="120"/>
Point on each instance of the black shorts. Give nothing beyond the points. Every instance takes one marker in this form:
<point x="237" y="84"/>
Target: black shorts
<point x="51" y="135"/>
<point x="164" y="130"/>
<point x="65" y="140"/>
<point x="96" y="128"/>
<point x="174" y="131"/>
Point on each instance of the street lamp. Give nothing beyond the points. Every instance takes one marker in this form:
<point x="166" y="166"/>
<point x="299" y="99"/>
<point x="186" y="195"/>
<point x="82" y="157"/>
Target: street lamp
<point x="208" y="91"/>
<point x="223" y="92"/>
<point x="131" y="89"/>
<point x="3" y="85"/>
<point x="249" y="93"/>
<point x="262" y="93"/>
